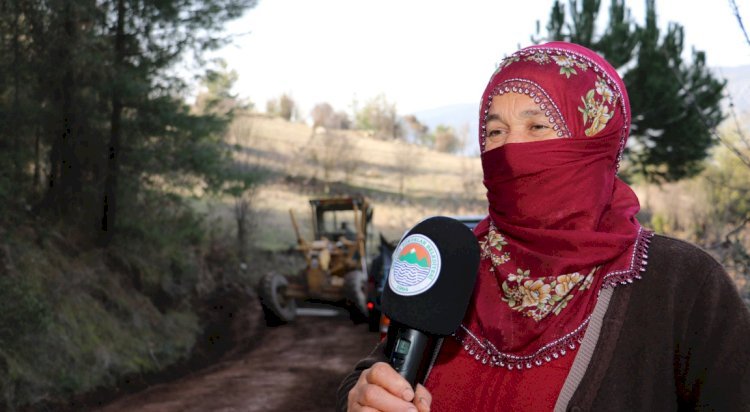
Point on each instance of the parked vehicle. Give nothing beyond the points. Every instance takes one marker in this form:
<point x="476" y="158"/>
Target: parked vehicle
<point x="471" y="221"/>
<point x="336" y="262"/>
<point x="379" y="269"/>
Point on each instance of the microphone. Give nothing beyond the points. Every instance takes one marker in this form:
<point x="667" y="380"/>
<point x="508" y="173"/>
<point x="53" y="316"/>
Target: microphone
<point x="430" y="282"/>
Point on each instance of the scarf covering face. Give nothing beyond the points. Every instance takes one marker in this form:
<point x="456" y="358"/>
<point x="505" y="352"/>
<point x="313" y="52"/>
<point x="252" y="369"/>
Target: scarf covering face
<point x="561" y="225"/>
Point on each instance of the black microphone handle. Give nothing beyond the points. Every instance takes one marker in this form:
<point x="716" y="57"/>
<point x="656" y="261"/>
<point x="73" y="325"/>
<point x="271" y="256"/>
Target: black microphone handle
<point x="410" y="351"/>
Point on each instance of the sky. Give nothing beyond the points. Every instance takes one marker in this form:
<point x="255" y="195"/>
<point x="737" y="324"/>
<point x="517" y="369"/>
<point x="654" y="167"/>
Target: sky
<point x="421" y="54"/>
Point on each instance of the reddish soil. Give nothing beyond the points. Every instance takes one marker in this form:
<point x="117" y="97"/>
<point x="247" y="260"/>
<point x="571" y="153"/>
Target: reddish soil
<point x="290" y="367"/>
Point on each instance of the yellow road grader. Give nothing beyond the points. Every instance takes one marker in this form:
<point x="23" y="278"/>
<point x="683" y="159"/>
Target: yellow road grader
<point x="335" y="262"/>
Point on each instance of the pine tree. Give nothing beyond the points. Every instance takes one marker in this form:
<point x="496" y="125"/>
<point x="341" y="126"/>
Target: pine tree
<point x="18" y="111"/>
<point x="675" y="105"/>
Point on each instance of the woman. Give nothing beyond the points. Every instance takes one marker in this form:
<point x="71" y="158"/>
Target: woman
<point x="577" y="306"/>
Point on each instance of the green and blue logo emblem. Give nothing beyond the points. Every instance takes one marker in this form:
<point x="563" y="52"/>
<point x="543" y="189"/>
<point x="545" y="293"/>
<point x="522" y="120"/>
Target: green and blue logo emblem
<point x="415" y="267"/>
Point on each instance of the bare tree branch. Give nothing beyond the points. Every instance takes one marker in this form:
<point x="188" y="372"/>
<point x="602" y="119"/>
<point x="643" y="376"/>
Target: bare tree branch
<point x="736" y="230"/>
<point x="738" y="127"/>
<point x="736" y="12"/>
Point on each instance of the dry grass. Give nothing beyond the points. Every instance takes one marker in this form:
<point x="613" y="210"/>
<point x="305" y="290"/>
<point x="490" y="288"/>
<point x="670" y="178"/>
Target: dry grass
<point x="686" y="211"/>
<point x="433" y="182"/>
<point x="304" y="165"/>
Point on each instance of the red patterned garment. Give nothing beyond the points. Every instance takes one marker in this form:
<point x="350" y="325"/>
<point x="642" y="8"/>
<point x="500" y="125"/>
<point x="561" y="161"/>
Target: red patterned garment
<point x="561" y="227"/>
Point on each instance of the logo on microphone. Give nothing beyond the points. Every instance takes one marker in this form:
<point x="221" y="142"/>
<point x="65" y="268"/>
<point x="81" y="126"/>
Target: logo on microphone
<point x="415" y="267"/>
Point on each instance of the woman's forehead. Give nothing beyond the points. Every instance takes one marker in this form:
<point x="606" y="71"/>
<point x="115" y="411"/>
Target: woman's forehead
<point x="519" y="104"/>
<point x="573" y="88"/>
<point x="564" y="65"/>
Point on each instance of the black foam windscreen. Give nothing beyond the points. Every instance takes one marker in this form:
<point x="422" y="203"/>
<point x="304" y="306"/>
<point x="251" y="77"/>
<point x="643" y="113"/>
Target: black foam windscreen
<point x="432" y="276"/>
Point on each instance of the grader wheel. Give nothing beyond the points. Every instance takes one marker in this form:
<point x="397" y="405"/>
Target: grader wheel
<point x="277" y="307"/>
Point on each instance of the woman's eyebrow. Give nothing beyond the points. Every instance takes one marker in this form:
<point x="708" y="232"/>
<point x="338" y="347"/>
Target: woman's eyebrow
<point x="532" y="113"/>
<point x="525" y="113"/>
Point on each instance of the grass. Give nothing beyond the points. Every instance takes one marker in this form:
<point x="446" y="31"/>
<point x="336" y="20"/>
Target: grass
<point x="91" y="329"/>
<point x="437" y="183"/>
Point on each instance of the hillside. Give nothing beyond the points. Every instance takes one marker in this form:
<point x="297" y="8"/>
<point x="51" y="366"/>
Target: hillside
<point x="738" y="87"/>
<point x="434" y="184"/>
<point x="296" y="163"/>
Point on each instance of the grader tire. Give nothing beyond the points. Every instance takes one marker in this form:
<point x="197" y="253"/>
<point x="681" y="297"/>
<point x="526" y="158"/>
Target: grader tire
<point x="277" y="307"/>
<point x="355" y="290"/>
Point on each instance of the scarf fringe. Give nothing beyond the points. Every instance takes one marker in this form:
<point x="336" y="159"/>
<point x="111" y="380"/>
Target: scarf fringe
<point x="638" y="262"/>
<point x="486" y="353"/>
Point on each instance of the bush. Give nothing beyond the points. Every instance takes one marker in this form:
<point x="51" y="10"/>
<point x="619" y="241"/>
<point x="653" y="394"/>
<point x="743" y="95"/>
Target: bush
<point x="23" y="309"/>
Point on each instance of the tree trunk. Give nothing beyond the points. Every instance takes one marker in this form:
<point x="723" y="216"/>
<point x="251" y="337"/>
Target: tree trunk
<point x="37" y="161"/>
<point x="109" y="204"/>
<point x="16" y="116"/>
<point x="241" y="208"/>
<point x="64" y="177"/>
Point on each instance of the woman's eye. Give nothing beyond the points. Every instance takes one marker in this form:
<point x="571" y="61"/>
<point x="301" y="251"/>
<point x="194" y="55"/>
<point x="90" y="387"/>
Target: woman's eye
<point x="540" y="127"/>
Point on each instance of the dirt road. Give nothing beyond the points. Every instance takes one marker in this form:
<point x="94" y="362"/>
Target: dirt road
<point x="294" y="367"/>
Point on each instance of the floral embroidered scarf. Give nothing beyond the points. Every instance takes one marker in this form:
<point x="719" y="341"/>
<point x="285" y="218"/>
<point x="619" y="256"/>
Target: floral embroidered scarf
<point x="561" y="225"/>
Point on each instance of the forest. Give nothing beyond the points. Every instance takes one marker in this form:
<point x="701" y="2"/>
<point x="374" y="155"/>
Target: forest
<point x="128" y="210"/>
<point x="103" y="260"/>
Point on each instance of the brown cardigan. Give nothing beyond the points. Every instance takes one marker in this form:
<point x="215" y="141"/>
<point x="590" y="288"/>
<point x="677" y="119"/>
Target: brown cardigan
<point x="678" y="339"/>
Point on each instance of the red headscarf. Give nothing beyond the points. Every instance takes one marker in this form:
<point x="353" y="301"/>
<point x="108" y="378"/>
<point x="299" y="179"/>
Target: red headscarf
<point x="561" y="225"/>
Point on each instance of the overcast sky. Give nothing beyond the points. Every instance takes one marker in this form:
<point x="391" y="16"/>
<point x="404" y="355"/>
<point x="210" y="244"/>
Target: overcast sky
<point x="421" y="54"/>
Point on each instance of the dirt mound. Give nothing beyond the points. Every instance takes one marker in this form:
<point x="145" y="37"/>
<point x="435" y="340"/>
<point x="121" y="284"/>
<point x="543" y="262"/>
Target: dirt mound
<point x="233" y="324"/>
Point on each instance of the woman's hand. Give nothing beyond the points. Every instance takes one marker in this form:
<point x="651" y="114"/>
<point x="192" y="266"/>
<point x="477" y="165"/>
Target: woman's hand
<point x="381" y="388"/>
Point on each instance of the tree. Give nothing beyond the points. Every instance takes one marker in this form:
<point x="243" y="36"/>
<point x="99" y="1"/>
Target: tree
<point x="239" y="179"/>
<point x="216" y="97"/>
<point x="148" y="39"/>
<point x="380" y="117"/>
<point x="418" y="130"/>
<point x="726" y="184"/>
<point x="322" y="115"/>
<point x="340" y="120"/>
<point x="446" y="139"/>
<point x="241" y="183"/>
<point x="18" y="112"/>
<point x="675" y="106"/>
<point x="97" y="143"/>
<point x="284" y="107"/>
<point x="90" y="105"/>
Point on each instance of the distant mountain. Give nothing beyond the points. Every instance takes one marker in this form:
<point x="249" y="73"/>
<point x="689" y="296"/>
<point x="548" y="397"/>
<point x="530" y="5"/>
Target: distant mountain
<point x="738" y="86"/>
<point x="459" y="115"/>
<point x="456" y="116"/>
